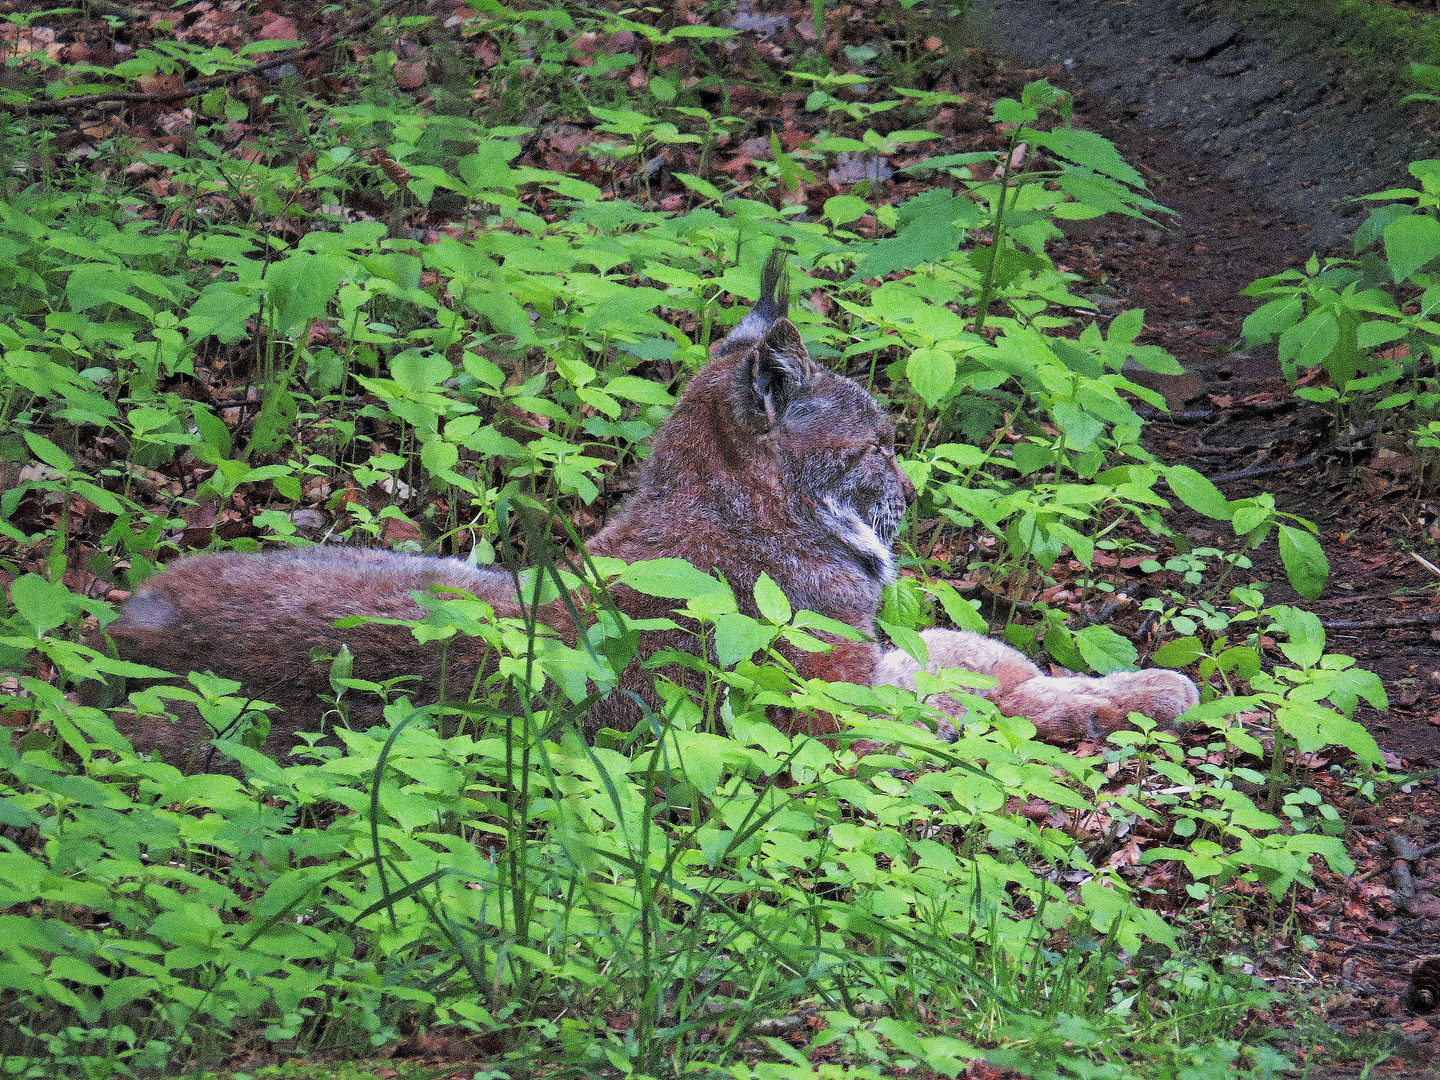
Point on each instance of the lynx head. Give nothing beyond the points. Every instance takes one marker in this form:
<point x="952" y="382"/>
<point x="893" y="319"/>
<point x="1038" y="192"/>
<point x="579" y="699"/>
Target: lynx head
<point x="805" y="435"/>
<point x="771" y="462"/>
<point x="835" y="445"/>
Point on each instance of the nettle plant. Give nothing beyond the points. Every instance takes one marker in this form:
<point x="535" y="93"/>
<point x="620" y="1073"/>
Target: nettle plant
<point x="1368" y="323"/>
<point x="477" y="863"/>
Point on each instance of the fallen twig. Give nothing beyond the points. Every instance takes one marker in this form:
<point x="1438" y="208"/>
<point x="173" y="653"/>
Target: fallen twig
<point x="1372" y="946"/>
<point x="1184" y="416"/>
<point x="1396" y="622"/>
<point x="1263" y="470"/>
<point x="1426" y="563"/>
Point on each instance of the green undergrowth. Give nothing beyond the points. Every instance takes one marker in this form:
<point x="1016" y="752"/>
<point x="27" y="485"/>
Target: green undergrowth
<point x="1362" y="333"/>
<point x="241" y="351"/>
<point x="1377" y="39"/>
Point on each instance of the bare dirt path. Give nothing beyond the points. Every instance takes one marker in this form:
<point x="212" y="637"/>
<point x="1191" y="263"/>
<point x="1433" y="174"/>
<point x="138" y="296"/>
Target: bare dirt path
<point x="1279" y="105"/>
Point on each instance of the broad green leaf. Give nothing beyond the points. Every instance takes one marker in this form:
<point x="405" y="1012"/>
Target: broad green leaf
<point x="223" y="309"/>
<point x="903" y="637"/>
<point x="1093" y="151"/>
<point x="843" y="209"/>
<point x="702" y="755"/>
<point x="1304" y="560"/>
<point x="278" y="412"/>
<point x="48" y="452"/>
<point x="1306" y="642"/>
<point x="1105" y="650"/>
<point x="706" y="32"/>
<point x="1310" y="341"/>
<point x="771" y="602"/>
<point x="1248" y="515"/>
<point x="738" y="637"/>
<point x="438" y="456"/>
<point x="931" y="372"/>
<point x="928" y="228"/>
<point x="211" y="429"/>
<point x="14" y="816"/>
<point x="93" y="284"/>
<point x="959" y="610"/>
<point x="301" y="287"/>
<point x="1081" y="429"/>
<point x="1410" y="243"/>
<point x="396" y="266"/>
<point x="488" y="168"/>
<point x="642" y="390"/>
<point x="1126" y="326"/>
<point x="701" y="187"/>
<point x="421" y="372"/>
<point x="1272" y="317"/>
<point x="43" y="604"/>
<point x="672" y="579"/>
<point x="104" y="501"/>
<point x="1198" y="493"/>
<point x="1182" y="652"/>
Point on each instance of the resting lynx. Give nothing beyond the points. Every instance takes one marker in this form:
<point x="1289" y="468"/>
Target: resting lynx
<point x="768" y="463"/>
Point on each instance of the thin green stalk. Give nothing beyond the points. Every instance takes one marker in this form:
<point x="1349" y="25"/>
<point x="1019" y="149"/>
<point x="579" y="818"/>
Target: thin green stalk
<point x="997" y="237"/>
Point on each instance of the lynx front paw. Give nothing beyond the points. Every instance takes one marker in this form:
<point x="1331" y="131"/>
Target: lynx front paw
<point x="1073" y="706"/>
<point x="1063" y="709"/>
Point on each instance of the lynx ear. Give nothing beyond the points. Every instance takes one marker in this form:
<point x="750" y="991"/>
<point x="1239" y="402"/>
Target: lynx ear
<point x="777" y="371"/>
<point x="773" y="303"/>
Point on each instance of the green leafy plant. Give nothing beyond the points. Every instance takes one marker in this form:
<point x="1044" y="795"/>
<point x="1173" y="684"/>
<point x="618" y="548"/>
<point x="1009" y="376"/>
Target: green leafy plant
<point x="390" y="323"/>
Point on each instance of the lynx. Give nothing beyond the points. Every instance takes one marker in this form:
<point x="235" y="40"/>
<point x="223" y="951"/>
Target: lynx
<point x="768" y="463"/>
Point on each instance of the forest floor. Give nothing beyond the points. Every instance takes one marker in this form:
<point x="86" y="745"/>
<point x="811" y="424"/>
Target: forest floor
<point x="1255" y="143"/>
<point x="1259" y="177"/>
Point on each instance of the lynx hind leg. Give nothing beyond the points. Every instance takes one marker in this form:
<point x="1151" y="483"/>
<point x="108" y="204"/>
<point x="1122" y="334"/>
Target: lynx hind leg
<point x="958" y="649"/>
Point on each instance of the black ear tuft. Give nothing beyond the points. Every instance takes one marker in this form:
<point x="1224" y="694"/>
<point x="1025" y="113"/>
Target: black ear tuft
<point x="778" y="371"/>
<point x="774" y="299"/>
<point x="774" y="302"/>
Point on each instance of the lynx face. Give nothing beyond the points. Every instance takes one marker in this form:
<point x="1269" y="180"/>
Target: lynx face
<point x="839" y="450"/>
<point x="831" y="445"/>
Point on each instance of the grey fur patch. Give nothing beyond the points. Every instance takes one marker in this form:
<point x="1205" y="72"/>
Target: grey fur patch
<point x="145" y="611"/>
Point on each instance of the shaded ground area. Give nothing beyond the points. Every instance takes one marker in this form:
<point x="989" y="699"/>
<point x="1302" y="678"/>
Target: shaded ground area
<point x="1275" y="104"/>
<point x="1235" y="419"/>
<point x="1254" y="141"/>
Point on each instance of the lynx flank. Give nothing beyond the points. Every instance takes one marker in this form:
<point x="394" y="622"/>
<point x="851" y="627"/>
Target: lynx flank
<point x="769" y="463"/>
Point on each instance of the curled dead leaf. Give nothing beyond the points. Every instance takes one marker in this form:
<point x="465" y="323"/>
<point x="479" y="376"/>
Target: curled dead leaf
<point x="409" y="75"/>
